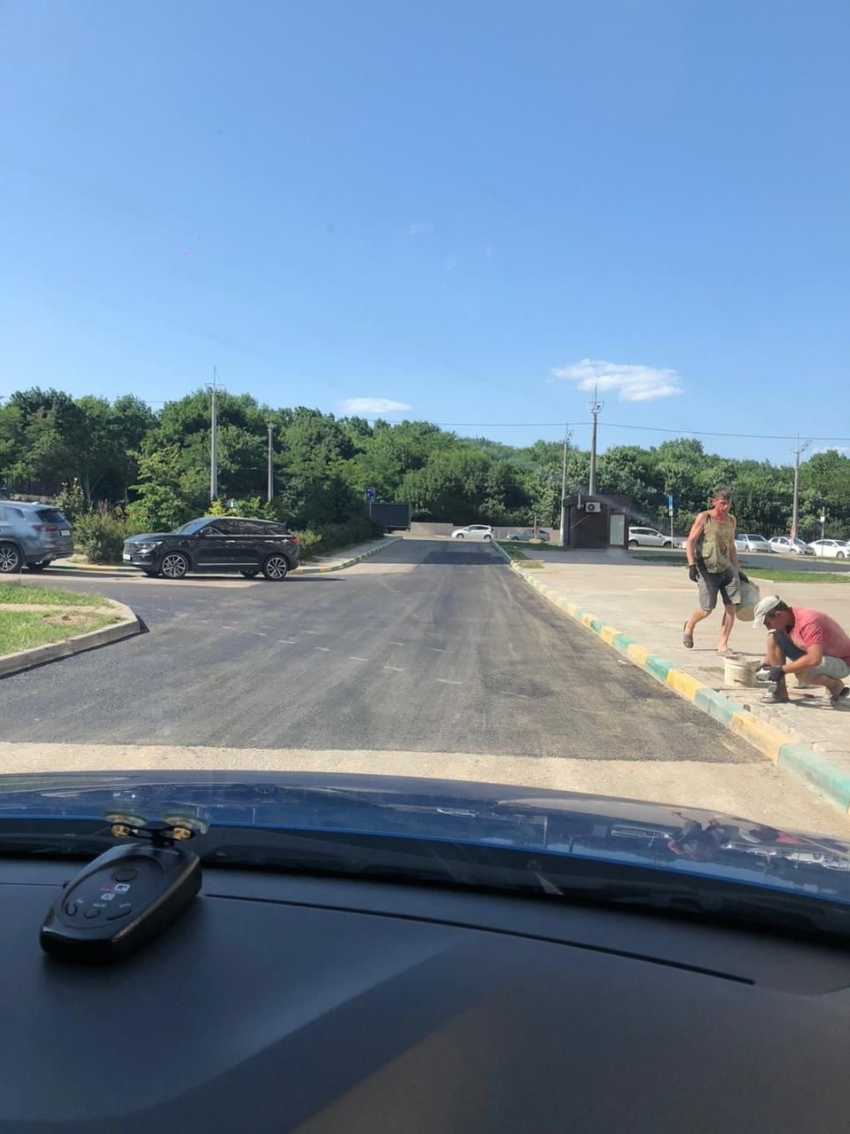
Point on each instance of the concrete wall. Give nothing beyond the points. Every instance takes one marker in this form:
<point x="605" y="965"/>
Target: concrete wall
<point x="422" y="528"/>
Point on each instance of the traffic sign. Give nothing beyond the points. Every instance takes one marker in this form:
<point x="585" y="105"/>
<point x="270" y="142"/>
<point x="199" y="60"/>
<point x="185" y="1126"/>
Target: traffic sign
<point x="370" y="494"/>
<point x="670" y="504"/>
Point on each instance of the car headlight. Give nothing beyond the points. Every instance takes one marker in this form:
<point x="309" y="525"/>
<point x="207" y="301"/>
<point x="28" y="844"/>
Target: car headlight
<point x="149" y="546"/>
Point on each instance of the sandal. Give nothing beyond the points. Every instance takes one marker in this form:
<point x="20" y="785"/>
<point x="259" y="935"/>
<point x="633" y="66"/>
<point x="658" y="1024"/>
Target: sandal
<point x="687" y="639"/>
<point x="772" y="699"/>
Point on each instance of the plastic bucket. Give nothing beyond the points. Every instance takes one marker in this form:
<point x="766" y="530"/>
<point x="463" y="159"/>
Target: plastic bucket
<point x="740" y="671"/>
<point x="750" y="596"/>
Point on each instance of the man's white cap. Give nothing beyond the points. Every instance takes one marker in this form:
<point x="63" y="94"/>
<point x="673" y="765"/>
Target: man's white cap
<point x="764" y="607"/>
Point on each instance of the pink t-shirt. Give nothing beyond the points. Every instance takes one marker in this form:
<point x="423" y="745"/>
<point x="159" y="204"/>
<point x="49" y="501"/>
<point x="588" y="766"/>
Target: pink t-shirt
<point x="812" y="628"/>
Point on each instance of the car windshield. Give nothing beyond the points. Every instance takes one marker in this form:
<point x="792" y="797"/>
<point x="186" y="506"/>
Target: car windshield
<point x="192" y="527"/>
<point x="446" y="330"/>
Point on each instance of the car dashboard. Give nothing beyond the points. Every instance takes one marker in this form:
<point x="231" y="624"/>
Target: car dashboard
<point x="282" y="1002"/>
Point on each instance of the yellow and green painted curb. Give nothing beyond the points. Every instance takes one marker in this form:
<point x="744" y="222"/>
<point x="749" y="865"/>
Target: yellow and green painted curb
<point x="786" y="751"/>
<point x="345" y="562"/>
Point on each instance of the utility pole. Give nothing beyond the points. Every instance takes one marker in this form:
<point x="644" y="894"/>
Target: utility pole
<point x="214" y="438"/>
<point x="800" y="449"/>
<point x="567" y="435"/>
<point x="595" y="408"/>
<point x="271" y="463"/>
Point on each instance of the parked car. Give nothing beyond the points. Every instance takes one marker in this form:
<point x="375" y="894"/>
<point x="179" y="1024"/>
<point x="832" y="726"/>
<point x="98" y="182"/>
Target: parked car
<point x="528" y="533"/>
<point x="790" y="546"/>
<point x="32" y="536"/>
<point x="745" y="542"/>
<point x="216" y="544"/>
<point x="473" y="531"/>
<point x="648" y="537"/>
<point x="831" y="548"/>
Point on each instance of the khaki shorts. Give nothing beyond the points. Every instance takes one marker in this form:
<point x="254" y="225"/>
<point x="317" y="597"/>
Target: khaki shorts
<point x="831" y="667"/>
<point x="726" y="584"/>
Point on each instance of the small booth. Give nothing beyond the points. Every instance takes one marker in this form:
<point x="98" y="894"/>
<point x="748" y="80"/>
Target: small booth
<point x="598" y="522"/>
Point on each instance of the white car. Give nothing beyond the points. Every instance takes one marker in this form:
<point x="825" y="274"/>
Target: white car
<point x="473" y="531"/>
<point x="648" y="537"/>
<point x="750" y="542"/>
<point x="781" y="543"/>
<point x="831" y="548"/>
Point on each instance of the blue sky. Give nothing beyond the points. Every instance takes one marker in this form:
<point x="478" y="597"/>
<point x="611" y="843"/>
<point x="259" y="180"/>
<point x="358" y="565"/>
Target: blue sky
<point x="467" y="208"/>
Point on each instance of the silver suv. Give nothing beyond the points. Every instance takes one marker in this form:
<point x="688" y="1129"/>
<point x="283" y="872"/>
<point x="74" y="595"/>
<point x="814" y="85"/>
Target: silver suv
<point x="32" y="535"/>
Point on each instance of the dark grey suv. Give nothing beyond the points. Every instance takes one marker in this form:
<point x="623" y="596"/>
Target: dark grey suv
<point x="32" y="535"/>
<point x="215" y="543"/>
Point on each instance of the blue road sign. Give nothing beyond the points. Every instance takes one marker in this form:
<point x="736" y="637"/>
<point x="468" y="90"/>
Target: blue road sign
<point x="670" y="502"/>
<point x="370" y="494"/>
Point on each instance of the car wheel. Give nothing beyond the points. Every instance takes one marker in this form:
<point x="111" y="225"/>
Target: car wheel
<point x="10" y="559"/>
<point x="38" y="566"/>
<point x="174" y="565"/>
<point x="840" y="555"/>
<point x="633" y="543"/>
<point x="458" y="537"/>
<point x="667" y="543"/>
<point x="250" y="574"/>
<point x="489" y="538"/>
<point x="276" y="567"/>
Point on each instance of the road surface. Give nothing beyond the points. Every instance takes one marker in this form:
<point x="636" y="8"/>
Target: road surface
<point x="431" y="659"/>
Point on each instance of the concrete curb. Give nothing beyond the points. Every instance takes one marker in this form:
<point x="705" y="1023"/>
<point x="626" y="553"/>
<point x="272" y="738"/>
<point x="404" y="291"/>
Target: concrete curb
<point x="95" y="567"/>
<point x="346" y="562"/>
<point x="786" y="751"/>
<point x="126" y="627"/>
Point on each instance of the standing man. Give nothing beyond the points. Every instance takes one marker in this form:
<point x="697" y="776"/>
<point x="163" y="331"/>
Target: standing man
<point x="807" y="643"/>
<point x="713" y="566"/>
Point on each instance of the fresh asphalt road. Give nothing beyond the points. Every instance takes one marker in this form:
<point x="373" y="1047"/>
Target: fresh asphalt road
<point x="432" y="646"/>
<point x="432" y="659"/>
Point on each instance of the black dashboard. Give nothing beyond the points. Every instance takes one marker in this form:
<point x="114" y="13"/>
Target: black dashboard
<point x="289" y="1003"/>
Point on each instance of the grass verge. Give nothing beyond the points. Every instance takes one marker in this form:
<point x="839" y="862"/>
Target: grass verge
<point x="24" y="629"/>
<point x="774" y="574"/>
<point x="513" y="549"/>
<point x="22" y="593"/>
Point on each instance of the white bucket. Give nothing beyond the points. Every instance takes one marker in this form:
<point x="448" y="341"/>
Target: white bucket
<point x="746" y="609"/>
<point x="740" y="671"/>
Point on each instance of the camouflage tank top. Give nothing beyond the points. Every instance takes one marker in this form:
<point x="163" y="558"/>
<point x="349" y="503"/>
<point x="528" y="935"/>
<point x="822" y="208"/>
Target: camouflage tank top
<point x="713" y="546"/>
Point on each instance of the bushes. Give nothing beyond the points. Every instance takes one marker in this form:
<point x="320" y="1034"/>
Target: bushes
<point x="100" y="535"/>
<point x="331" y="537"/>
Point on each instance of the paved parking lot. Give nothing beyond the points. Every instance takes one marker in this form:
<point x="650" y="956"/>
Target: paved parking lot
<point x="432" y="659"/>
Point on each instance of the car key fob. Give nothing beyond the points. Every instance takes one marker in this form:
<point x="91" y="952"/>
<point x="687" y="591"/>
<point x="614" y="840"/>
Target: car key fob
<point x="120" y="901"/>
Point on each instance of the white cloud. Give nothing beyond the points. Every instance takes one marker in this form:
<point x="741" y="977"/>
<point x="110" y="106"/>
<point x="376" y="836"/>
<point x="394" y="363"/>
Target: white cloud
<point x="634" y="383"/>
<point x="373" y="405"/>
<point x="833" y="449"/>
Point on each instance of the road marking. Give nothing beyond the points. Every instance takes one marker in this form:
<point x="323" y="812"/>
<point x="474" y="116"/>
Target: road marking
<point x="446" y="681"/>
<point x="395" y="668"/>
<point x="352" y="658"/>
<point x="439" y="650"/>
<point x="259" y="633"/>
<point x="395" y="643"/>
<point x="324" y="649"/>
<point x="230" y="627"/>
<point x="313" y="631"/>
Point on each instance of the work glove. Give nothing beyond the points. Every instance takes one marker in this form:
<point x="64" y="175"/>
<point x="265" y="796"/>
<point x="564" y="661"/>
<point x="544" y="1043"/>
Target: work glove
<point x="742" y="577"/>
<point x="776" y="673"/>
<point x="693" y="574"/>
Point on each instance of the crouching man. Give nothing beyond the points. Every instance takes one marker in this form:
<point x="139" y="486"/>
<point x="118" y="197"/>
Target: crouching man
<point x="807" y="643"/>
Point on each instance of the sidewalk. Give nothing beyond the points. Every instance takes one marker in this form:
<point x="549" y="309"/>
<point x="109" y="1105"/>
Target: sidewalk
<point x="639" y="608"/>
<point x="347" y="558"/>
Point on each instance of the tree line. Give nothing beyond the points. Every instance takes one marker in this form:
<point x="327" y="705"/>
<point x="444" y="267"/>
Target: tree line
<point x="154" y="466"/>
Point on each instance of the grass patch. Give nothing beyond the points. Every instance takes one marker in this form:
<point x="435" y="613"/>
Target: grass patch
<point x="23" y="629"/>
<point x="21" y="592"/>
<point x="777" y="575"/>
<point x="513" y="549"/>
<point x="774" y="574"/>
